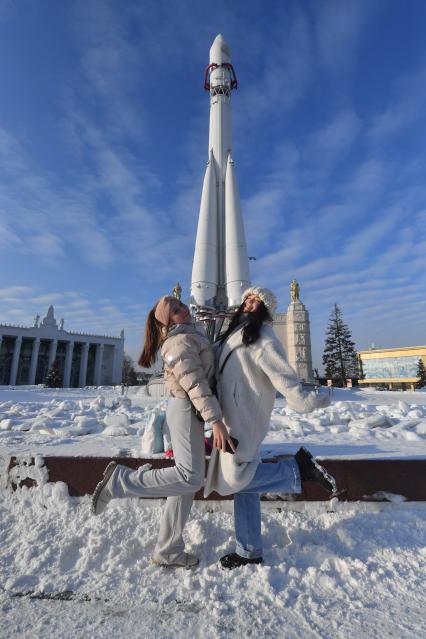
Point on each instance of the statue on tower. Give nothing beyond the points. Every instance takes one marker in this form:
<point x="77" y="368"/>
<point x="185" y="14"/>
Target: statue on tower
<point x="177" y="291"/>
<point x="294" y="291"/>
<point x="50" y="320"/>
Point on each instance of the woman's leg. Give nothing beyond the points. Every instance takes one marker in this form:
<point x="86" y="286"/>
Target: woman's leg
<point x="283" y="476"/>
<point x="188" y="444"/>
<point x="279" y="477"/>
<point x="186" y="477"/>
<point x="177" y="483"/>
<point x="247" y="522"/>
<point x="170" y="547"/>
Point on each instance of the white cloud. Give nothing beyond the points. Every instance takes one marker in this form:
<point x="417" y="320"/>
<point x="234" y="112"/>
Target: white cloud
<point x="405" y="106"/>
<point x="339" y="28"/>
<point x="329" y="144"/>
<point x="283" y="78"/>
<point x="368" y="178"/>
<point x="7" y="237"/>
<point x="47" y="245"/>
<point x="15" y="291"/>
<point x="49" y="220"/>
<point x="19" y="305"/>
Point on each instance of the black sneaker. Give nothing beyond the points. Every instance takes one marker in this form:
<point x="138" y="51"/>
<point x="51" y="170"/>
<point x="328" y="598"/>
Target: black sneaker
<point x="311" y="470"/>
<point x="233" y="560"/>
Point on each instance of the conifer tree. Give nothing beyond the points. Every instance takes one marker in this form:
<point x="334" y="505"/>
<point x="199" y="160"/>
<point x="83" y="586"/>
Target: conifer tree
<point x="339" y="357"/>
<point x="53" y="378"/>
<point x="421" y="374"/>
<point x="129" y="377"/>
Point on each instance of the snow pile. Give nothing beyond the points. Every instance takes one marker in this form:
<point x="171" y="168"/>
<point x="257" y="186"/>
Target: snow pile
<point x="103" y="422"/>
<point x="72" y="421"/>
<point x="372" y="423"/>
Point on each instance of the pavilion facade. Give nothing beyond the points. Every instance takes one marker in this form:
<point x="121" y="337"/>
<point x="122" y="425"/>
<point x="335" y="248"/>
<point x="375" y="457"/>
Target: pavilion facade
<point x="28" y="353"/>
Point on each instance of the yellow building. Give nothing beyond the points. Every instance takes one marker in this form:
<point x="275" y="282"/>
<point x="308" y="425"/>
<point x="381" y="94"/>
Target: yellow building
<point x="391" y="367"/>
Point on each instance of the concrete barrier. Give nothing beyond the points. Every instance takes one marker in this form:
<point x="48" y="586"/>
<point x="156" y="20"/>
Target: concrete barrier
<point x="357" y="479"/>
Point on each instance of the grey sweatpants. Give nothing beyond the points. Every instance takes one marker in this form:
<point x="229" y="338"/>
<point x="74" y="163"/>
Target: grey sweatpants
<point x="178" y="483"/>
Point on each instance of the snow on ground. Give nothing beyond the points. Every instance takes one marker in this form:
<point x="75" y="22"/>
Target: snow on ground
<point x="332" y="570"/>
<point x="102" y="422"/>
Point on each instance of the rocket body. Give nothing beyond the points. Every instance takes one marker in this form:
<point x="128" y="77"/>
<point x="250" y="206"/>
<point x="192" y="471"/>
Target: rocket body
<point x="221" y="268"/>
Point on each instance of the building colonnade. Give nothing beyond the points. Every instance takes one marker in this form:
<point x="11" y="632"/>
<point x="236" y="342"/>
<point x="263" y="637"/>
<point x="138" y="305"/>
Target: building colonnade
<point x="28" y="353"/>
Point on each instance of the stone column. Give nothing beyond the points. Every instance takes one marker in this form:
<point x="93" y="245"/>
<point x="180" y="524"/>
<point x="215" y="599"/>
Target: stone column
<point x="15" y="360"/>
<point x="34" y="361"/>
<point x="280" y="328"/>
<point x="299" y="340"/>
<point x="117" y="363"/>
<point x="52" y="353"/>
<point x="98" y="364"/>
<point x="83" y="364"/>
<point x="68" y="364"/>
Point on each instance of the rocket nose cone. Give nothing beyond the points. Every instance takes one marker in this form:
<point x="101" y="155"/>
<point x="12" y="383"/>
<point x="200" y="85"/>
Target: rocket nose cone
<point x="219" y="38"/>
<point x="220" y="51"/>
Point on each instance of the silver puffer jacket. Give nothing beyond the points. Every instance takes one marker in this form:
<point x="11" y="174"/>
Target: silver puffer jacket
<point x="189" y="369"/>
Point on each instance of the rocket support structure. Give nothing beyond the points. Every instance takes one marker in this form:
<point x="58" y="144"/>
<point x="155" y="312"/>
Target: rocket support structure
<point x="220" y="270"/>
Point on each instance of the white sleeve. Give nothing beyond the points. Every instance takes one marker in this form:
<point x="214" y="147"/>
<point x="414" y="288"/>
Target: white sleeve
<point x="273" y="362"/>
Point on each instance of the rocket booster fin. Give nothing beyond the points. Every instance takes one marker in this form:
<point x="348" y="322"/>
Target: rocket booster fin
<point x="237" y="272"/>
<point x="205" y="269"/>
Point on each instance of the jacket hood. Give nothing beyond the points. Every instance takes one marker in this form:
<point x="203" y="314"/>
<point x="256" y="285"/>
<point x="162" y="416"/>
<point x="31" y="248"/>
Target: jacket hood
<point x="177" y="329"/>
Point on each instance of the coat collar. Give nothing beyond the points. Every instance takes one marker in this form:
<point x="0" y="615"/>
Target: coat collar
<point x="233" y="341"/>
<point x="178" y="329"/>
<point x="181" y="328"/>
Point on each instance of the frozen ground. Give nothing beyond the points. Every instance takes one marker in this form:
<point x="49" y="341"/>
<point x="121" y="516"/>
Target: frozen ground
<point x="332" y="570"/>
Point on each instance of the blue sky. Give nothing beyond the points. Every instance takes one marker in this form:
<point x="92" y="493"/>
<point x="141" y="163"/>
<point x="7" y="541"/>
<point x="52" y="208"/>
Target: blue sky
<point x="103" y="146"/>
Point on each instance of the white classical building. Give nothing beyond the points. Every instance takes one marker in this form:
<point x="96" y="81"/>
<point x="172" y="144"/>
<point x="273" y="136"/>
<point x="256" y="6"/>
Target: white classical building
<point x="27" y="353"/>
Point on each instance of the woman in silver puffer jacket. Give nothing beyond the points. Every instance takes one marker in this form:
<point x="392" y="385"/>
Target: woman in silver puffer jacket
<point x="189" y="369"/>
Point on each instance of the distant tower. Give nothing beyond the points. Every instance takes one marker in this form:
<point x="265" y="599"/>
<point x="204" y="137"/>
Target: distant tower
<point x="299" y="335"/>
<point x="220" y="270"/>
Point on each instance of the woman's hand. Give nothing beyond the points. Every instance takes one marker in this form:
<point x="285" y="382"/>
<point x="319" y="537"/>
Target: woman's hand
<point x="221" y="437"/>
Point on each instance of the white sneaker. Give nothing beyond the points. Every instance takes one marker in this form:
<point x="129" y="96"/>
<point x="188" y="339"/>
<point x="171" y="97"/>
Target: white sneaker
<point x="185" y="560"/>
<point x="103" y="494"/>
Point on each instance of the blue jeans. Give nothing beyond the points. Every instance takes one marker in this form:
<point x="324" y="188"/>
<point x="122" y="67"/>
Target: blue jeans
<point x="282" y="477"/>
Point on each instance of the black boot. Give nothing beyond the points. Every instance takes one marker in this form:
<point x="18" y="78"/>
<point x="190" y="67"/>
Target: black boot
<point x="311" y="470"/>
<point x="233" y="560"/>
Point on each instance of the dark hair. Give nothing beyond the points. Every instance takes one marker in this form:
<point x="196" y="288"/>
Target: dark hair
<point x="251" y="329"/>
<point x="152" y="341"/>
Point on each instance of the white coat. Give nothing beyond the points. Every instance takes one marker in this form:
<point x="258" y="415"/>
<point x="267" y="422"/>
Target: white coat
<point x="246" y="391"/>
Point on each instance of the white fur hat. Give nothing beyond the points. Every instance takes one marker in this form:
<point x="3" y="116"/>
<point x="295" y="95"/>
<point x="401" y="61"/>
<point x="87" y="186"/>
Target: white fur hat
<point x="267" y="297"/>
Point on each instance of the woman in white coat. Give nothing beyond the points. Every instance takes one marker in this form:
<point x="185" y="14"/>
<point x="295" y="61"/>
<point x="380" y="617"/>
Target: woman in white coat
<point x="251" y="366"/>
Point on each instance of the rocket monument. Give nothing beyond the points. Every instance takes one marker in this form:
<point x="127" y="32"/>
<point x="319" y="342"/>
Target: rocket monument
<point x="220" y="271"/>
